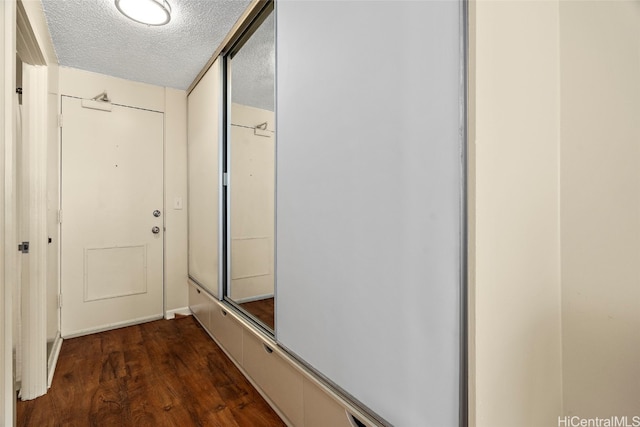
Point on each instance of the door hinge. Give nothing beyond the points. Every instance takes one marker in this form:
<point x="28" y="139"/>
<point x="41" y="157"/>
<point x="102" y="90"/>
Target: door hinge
<point x="225" y="179"/>
<point x="24" y="247"/>
<point x="59" y="120"/>
<point x="60" y="300"/>
<point x="60" y="216"/>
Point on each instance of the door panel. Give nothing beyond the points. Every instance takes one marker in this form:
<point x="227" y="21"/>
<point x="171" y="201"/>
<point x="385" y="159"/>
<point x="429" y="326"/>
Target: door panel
<point x="112" y="181"/>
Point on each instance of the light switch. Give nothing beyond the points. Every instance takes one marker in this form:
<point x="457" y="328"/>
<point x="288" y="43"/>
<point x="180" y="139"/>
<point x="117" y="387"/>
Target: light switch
<point x="177" y="203"/>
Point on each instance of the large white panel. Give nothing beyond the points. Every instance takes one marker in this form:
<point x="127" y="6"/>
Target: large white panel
<point x="203" y="127"/>
<point x="369" y="179"/>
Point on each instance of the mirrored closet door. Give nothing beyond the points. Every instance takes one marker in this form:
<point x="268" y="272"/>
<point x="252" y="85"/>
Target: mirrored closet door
<point x="250" y="167"/>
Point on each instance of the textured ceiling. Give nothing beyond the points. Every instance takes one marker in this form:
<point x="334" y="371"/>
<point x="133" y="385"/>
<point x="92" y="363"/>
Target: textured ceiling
<point x="92" y="35"/>
<point x="253" y="68"/>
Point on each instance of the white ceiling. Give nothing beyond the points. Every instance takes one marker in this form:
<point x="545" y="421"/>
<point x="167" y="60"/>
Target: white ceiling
<point x="92" y="35"/>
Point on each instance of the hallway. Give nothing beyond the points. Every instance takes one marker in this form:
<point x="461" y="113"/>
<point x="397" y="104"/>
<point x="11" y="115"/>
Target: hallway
<point x="162" y="373"/>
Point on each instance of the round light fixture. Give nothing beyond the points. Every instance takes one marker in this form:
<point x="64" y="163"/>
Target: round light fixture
<point x="148" y="12"/>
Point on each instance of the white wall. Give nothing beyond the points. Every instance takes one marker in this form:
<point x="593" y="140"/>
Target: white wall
<point x="600" y="64"/>
<point x="556" y="198"/>
<point x="172" y="102"/>
<point x="516" y="250"/>
<point x="86" y="84"/>
<point x="175" y="187"/>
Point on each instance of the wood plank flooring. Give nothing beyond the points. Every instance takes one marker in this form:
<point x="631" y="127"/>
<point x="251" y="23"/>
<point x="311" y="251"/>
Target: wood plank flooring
<point x="162" y="373"/>
<point x="262" y="309"/>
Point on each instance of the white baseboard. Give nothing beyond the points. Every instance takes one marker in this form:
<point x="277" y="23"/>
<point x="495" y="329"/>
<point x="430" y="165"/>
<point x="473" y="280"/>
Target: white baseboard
<point x="254" y="298"/>
<point x="171" y="314"/>
<point x="113" y="326"/>
<point x="53" y="358"/>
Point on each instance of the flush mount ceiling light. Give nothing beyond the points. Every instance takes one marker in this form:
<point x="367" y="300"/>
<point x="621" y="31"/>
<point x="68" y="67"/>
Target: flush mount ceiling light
<point x="148" y="12"/>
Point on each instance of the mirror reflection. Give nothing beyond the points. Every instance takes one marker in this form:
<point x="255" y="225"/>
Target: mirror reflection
<point x="251" y="167"/>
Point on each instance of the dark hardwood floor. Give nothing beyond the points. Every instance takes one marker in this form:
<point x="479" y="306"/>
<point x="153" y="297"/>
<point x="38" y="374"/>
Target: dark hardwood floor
<point x="162" y="373"/>
<point x="262" y="309"/>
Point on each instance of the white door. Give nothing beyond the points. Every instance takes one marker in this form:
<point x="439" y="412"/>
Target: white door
<point x="112" y="243"/>
<point x="252" y="198"/>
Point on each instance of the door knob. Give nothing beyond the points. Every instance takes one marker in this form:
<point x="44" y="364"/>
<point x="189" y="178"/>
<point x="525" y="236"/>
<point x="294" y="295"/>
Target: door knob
<point x="155" y="230"/>
<point x="156" y="213"/>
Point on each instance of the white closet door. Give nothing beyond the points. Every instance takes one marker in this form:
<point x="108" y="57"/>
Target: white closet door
<point x="204" y="107"/>
<point x="369" y="200"/>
